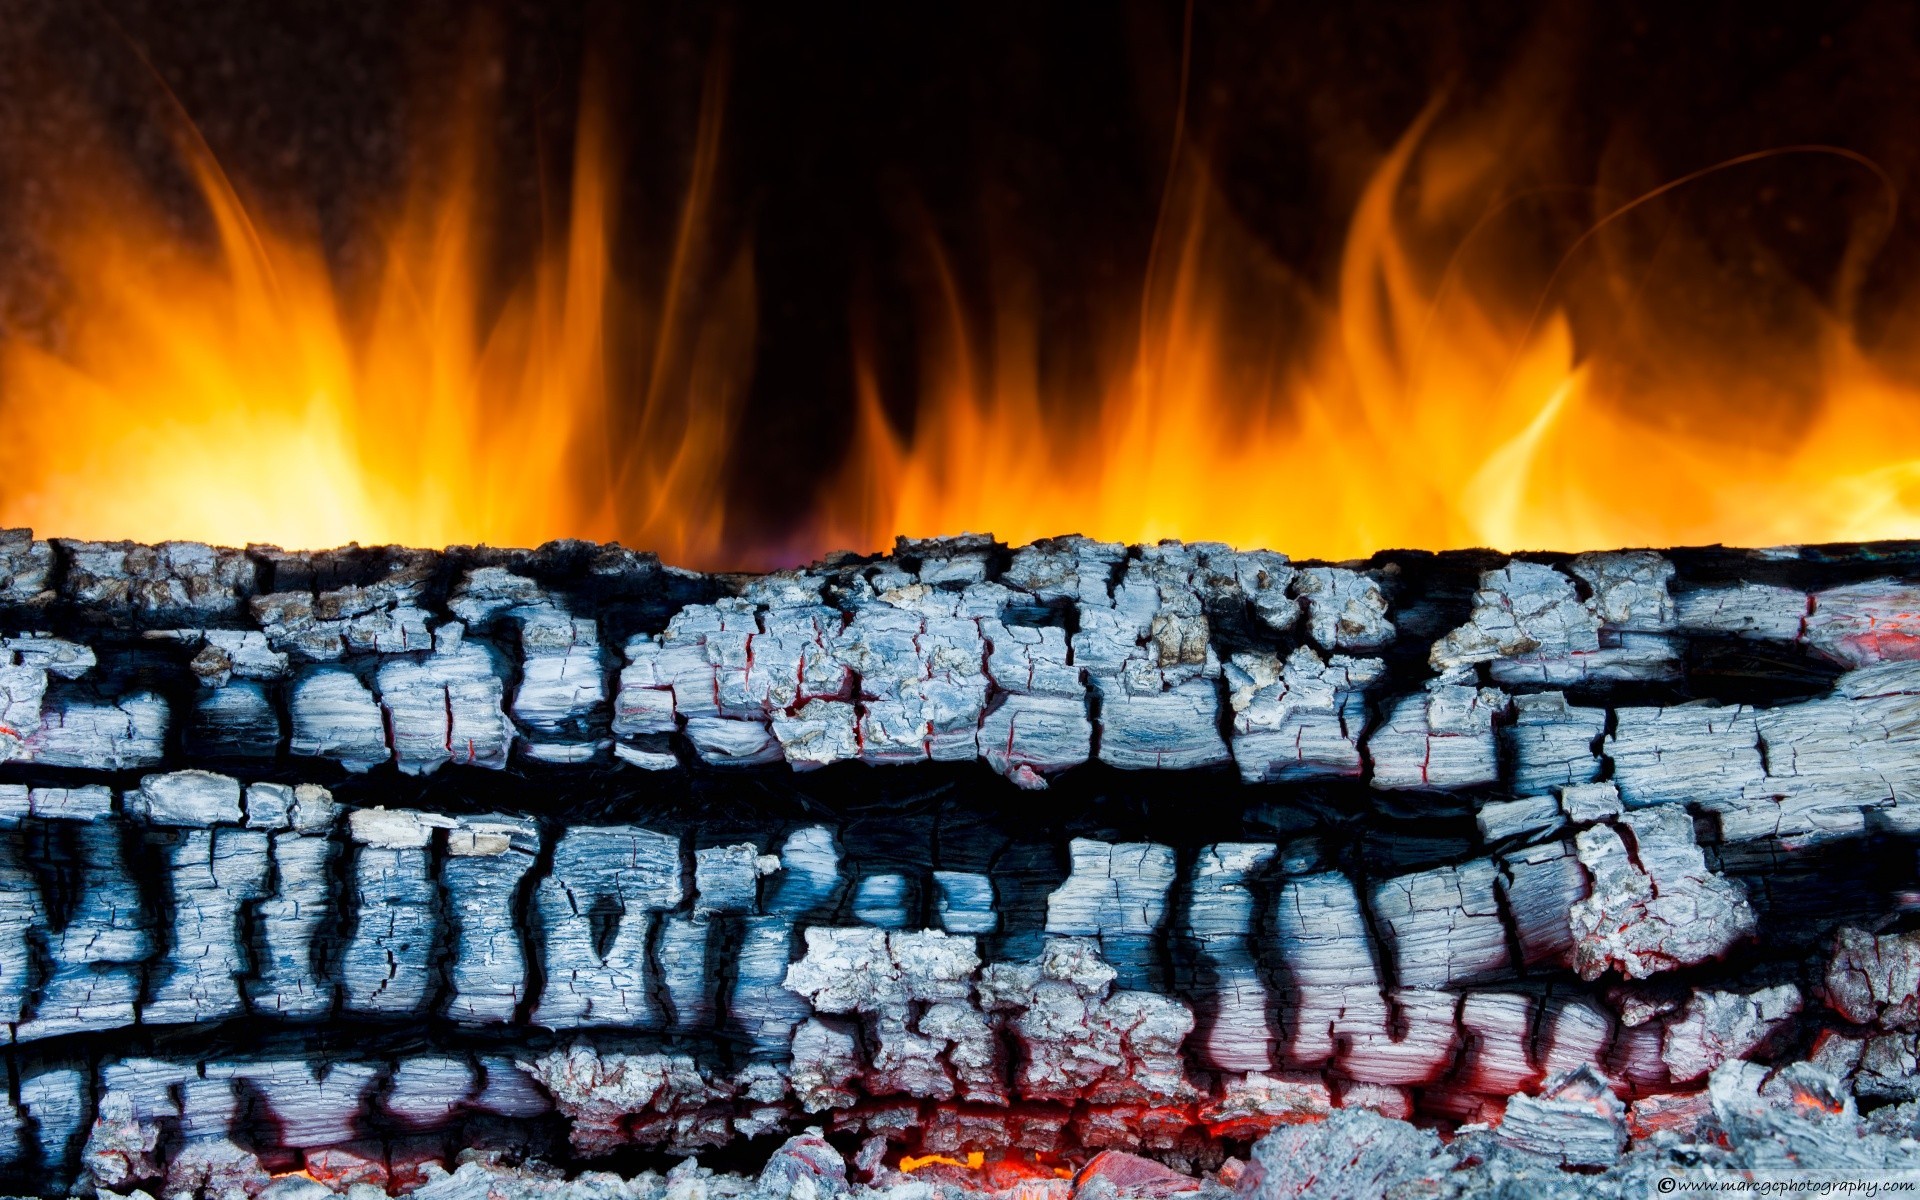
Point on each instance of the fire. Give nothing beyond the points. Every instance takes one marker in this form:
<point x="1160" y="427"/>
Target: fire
<point x="1011" y="1173"/>
<point x="1429" y="403"/>
<point x="974" y="1161"/>
<point x="1443" y="393"/>
<point x="241" y="392"/>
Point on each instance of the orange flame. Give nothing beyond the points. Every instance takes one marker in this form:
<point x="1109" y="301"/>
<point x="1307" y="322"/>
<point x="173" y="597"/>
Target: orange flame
<point x="974" y="1161"/>
<point x="238" y="394"/>
<point x="242" y="393"/>
<point x="1428" y="409"/>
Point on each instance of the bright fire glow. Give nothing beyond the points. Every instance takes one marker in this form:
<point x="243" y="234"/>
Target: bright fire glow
<point x="239" y="394"/>
<point x="242" y="393"/>
<point x="1432" y="406"/>
<point x="974" y="1160"/>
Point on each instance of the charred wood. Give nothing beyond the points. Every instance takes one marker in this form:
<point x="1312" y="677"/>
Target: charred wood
<point x="344" y="863"/>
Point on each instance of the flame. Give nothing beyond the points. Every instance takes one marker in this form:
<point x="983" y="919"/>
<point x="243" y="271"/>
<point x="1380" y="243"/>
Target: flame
<point x="1006" y="1172"/>
<point x="1443" y="394"/>
<point x="241" y="392"/>
<point x="974" y="1161"/>
<point x="1813" y="1103"/>
<point x="1426" y="405"/>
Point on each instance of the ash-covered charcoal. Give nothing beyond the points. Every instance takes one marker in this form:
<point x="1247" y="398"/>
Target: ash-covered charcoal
<point x="487" y="857"/>
<point x="462" y="873"/>
<point x="596" y="915"/>
<point x="1654" y="906"/>
<point x="1530" y="625"/>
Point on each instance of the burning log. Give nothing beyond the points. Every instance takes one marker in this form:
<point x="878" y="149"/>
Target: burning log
<point x="344" y="862"/>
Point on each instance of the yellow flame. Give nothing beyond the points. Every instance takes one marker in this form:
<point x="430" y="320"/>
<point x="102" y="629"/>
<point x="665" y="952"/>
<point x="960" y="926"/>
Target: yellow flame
<point x="974" y="1161"/>
<point x="238" y="394"/>
<point x="241" y="392"/>
<point x="1426" y="411"/>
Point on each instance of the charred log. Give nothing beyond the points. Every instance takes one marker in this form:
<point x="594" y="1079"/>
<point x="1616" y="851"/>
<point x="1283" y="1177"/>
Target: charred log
<point x="347" y="862"/>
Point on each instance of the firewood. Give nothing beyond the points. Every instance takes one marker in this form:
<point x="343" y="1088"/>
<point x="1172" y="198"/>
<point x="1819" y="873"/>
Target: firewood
<point x="1576" y="1117"/>
<point x="596" y="914"/>
<point x="384" y="964"/>
<point x="1220" y="924"/>
<point x="487" y="857"/>
<point x="341" y="862"/>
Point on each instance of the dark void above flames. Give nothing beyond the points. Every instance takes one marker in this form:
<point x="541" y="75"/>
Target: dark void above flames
<point x="456" y="871"/>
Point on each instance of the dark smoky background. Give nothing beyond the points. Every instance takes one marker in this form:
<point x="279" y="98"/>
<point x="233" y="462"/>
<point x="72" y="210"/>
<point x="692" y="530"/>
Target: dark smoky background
<point x="1034" y="133"/>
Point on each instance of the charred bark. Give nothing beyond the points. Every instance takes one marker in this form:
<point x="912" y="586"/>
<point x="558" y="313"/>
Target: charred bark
<point x="345" y="862"/>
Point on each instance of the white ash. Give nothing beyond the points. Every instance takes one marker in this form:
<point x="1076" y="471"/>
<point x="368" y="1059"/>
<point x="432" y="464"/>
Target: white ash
<point x="1657" y="907"/>
<point x="1346" y="610"/>
<point x="1300" y="720"/>
<point x="1875" y="980"/>
<point x="1718" y="1026"/>
<point x="1576" y="1119"/>
<point x="1530" y="624"/>
<point x="1441" y="740"/>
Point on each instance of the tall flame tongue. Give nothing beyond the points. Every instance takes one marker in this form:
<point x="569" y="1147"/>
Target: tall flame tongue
<point x="1430" y="405"/>
<point x="239" y="394"/>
